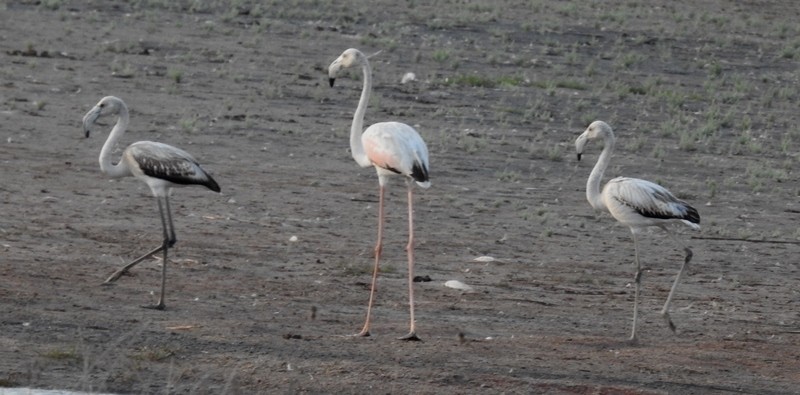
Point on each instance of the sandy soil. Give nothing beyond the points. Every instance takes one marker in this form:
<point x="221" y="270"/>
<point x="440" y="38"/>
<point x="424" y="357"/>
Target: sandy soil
<point x="703" y="99"/>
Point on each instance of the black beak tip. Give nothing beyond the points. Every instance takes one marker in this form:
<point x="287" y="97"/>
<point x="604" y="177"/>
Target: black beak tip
<point x="330" y="81"/>
<point x="87" y="133"/>
<point x="579" y="157"/>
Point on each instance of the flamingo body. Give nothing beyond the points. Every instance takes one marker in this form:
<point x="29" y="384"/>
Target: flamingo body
<point x="397" y="148"/>
<point x="640" y="203"/>
<point x="637" y="204"/>
<point x="161" y="166"/>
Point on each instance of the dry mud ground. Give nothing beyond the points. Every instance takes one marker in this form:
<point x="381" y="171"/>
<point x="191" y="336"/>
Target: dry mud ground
<point x="703" y="96"/>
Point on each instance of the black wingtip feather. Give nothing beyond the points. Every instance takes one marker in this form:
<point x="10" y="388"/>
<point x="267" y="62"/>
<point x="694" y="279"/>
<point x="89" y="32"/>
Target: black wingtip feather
<point x="692" y="215"/>
<point x="419" y="172"/>
<point x="212" y="185"/>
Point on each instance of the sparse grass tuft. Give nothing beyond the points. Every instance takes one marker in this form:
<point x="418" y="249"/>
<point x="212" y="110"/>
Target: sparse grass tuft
<point x="356" y="270"/>
<point x="175" y="75"/>
<point x="712" y="188"/>
<point x="479" y="81"/>
<point x="629" y="59"/>
<point x="39" y="105"/>
<point x="555" y="153"/>
<point x="188" y="124"/>
<point x="152" y="354"/>
<point x="510" y="81"/>
<point x="759" y="174"/>
<point x="52" y="5"/>
<point x="472" y="80"/>
<point x="441" y="55"/>
<point x="507" y="175"/>
<point x="60" y="354"/>
<point x="122" y="70"/>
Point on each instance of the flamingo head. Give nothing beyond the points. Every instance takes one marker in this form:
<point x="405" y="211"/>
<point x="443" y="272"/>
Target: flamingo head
<point x="348" y="58"/>
<point x="106" y="106"/>
<point x="595" y="130"/>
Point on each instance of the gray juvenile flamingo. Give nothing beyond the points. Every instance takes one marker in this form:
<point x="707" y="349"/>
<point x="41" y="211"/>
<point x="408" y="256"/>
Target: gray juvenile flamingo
<point x="637" y="204"/>
<point x="161" y="166"/>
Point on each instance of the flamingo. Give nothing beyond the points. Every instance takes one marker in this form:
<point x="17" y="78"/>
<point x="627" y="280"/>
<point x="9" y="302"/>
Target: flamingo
<point x="161" y="166"/>
<point x="392" y="148"/>
<point x="637" y="204"/>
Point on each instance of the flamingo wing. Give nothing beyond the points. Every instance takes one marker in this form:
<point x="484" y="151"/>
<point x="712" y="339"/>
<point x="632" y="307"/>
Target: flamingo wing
<point x="398" y="148"/>
<point x="650" y="200"/>
<point x="169" y="163"/>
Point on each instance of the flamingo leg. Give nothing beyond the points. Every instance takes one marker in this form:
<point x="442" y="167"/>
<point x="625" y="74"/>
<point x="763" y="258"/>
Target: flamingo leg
<point x="686" y="260"/>
<point x="117" y="274"/>
<point x="412" y="333"/>
<point x="167" y="234"/>
<point x="378" y="249"/>
<point x="169" y="241"/>
<point x="638" y="281"/>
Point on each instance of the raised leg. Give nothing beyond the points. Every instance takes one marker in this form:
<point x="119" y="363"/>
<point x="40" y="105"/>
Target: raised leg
<point x="169" y="241"/>
<point x="116" y="275"/>
<point x="638" y="282"/>
<point x="412" y="333"/>
<point x="665" y="310"/>
<point x="378" y="248"/>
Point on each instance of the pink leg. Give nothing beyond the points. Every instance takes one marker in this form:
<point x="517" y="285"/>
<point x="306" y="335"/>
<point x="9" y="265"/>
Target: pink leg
<point x="412" y="333"/>
<point x="378" y="248"/>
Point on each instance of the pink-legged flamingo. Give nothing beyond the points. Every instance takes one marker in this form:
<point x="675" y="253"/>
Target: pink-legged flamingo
<point x="160" y="166"/>
<point x="393" y="148"/>
<point x="637" y="204"/>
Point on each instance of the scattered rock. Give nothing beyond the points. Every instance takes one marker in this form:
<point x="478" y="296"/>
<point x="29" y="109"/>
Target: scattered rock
<point x="458" y="285"/>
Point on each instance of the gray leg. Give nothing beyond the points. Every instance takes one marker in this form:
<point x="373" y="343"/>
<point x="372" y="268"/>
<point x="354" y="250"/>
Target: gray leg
<point x="169" y="241"/>
<point x="686" y="260"/>
<point x="116" y="275"/>
<point x="172" y="239"/>
<point x="638" y="281"/>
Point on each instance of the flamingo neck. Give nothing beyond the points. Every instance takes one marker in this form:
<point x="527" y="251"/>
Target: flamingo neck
<point x="356" y="146"/>
<point x="593" y="193"/>
<point x="119" y="169"/>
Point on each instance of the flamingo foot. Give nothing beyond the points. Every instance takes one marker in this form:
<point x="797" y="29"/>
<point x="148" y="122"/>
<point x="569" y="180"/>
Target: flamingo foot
<point x="411" y="336"/>
<point x="364" y="333"/>
<point x="114" y="277"/>
<point x="669" y="321"/>
<point x="159" y="306"/>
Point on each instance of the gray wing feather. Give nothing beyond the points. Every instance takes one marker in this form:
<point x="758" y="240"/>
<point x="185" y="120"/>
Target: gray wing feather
<point x="651" y="200"/>
<point x="169" y="163"/>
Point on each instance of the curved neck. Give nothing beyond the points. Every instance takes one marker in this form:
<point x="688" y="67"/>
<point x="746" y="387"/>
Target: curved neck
<point x="356" y="146"/>
<point x="593" y="184"/>
<point x="115" y="170"/>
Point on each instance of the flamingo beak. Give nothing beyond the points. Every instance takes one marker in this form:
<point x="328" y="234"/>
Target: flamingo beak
<point x="580" y="143"/>
<point x="89" y="119"/>
<point x="333" y="70"/>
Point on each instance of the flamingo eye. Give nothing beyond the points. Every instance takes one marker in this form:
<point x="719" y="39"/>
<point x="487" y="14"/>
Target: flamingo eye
<point x="101" y="105"/>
